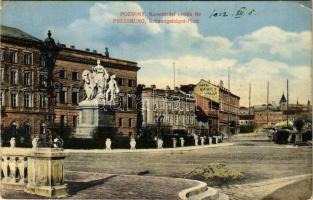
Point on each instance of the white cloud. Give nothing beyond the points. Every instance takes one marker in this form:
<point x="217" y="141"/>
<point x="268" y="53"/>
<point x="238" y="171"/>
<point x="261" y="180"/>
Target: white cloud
<point x="267" y="54"/>
<point x="190" y="69"/>
<point x="273" y="40"/>
<point x="259" y="71"/>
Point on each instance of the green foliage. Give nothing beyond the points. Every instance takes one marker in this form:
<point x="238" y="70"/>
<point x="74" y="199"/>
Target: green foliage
<point x="215" y="174"/>
<point x="152" y="131"/>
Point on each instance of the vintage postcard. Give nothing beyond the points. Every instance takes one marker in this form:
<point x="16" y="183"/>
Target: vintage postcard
<point x="156" y="100"/>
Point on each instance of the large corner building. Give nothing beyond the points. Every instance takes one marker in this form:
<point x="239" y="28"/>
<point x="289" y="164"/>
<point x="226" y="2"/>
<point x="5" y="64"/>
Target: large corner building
<point x="23" y="75"/>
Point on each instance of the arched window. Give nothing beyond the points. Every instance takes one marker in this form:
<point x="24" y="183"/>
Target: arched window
<point x="26" y="128"/>
<point x="13" y="128"/>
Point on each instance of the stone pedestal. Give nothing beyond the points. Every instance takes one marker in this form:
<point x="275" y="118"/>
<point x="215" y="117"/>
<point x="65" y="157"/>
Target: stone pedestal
<point x="46" y="173"/>
<point x="210" y="140"/>
<point x="160" y="143"/>
<point x="174" y="142"/>
<point x="93" y="118"/>
<point x="202" y="141"/>
<point x="132" y="144"/>
<point x="182" y="141"/>
<point x="108" y="144"/>
<point x="196" y="141"/>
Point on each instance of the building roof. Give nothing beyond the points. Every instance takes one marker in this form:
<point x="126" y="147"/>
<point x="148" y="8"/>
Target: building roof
<point x="190" y="87"/>
<point x="17" y="33"/>
<point x="166" y="92"/>
<point x="283" y="99"/>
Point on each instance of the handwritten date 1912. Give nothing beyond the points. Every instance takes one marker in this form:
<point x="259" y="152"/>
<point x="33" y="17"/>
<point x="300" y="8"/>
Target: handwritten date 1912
<point x="243" y="11"/>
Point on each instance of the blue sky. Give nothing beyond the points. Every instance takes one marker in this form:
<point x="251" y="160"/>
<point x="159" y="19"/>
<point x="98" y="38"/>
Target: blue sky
<point x="271" y="44"/>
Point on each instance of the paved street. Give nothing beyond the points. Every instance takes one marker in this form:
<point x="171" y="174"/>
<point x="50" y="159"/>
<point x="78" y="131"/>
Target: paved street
<point x="267" y="167"/>
<point x="258" y="159"/>
<point x="91" y="185"/>
<point x="251" y="154"/>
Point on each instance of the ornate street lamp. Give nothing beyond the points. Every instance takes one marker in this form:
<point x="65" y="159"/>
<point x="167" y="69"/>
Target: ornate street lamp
<point x="159" y="123"/>
<point x="49" y="53"/>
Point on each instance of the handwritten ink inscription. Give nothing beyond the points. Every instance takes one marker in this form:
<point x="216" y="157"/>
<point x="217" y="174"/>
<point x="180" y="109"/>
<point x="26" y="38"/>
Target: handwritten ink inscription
<point x="241" y="12"/>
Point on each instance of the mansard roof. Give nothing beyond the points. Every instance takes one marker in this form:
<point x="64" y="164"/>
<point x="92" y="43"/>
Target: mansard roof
<point x="11" y="32"/>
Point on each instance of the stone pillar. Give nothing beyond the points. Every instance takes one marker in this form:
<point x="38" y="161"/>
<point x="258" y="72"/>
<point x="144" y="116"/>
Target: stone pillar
<point x="196" y="140"/>
<point x="174" y="142"/>
<point x="46" y="173"/>
<point x="210" y="140"/>
<point x="132" y="144"/>
<point x="108" y="144"/>
<point x="202" y="141"/>
<point x="4" y="167"/>
<point x="12" y="142"/>
<point x="35" y="142"/>
<point x="182" y="142"/>
<point x="160" y="143"/>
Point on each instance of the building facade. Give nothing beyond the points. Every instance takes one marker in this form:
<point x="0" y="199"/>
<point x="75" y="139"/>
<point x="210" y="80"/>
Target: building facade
<point x="246" y="116"/>
<point x="217" y="107"/>
<point x="174" y="107"/>
<point x="264" y="119"/>
<point x="23" y="84"/>
<point x="22" y="111"/>
<point x="228" y="111"/>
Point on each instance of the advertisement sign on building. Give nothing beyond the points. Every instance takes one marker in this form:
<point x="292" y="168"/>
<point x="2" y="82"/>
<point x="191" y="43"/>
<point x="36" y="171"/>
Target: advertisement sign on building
<point x="207" y="90"/>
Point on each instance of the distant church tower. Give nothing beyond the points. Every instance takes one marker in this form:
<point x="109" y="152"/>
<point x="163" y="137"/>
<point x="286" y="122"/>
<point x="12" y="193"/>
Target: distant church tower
<point x="283" y="102"/>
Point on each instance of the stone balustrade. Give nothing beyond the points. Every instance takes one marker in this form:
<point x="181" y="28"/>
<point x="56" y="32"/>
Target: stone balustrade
<point x="14" y="167"/>
<point x="35" y="170"/>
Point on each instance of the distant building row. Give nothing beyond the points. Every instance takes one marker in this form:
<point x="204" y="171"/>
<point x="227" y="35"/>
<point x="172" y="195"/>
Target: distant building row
<point x="263" y="116"/>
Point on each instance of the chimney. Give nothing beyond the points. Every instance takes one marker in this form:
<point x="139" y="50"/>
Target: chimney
<point x="72" y="47"/>
<point x="221" y="84"/>
<point x="87" y="49"/>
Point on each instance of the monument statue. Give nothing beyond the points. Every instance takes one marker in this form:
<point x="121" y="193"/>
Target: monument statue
<point x="89" y="84"/>
<point x="97" y="86"/>
<point x="100" y="78"/>
<point x="112" y="89"/>
<point x="95" y="111"/>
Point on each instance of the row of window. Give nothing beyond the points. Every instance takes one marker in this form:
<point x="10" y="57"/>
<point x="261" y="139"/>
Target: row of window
<point x="176" y="119"/>
<point x="177" y="105"/>
<point x="63" y="99"/>
<point x="63" y="75"/>
<point x="121" y="122"/>
<point x="28" y="99"/>
<point x="64" y="121"/>
<point x="13" y="55"/>
<point x="43" y="77"/>
<point x="28" y="77"/>
<point x="75" y="77"/>
<point x="130" y="83"/>
<point x="63" y="96"/>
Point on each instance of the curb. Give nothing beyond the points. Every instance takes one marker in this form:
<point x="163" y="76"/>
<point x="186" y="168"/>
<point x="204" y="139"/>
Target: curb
<point x="202" y="191"/>
<point x="186" y="193"/>
<point x="190" y="148"/>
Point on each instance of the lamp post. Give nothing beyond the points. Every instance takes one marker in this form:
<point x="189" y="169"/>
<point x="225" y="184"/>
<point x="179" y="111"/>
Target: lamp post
<point x="159" y="123"/>
<point x="50" y="52"/>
